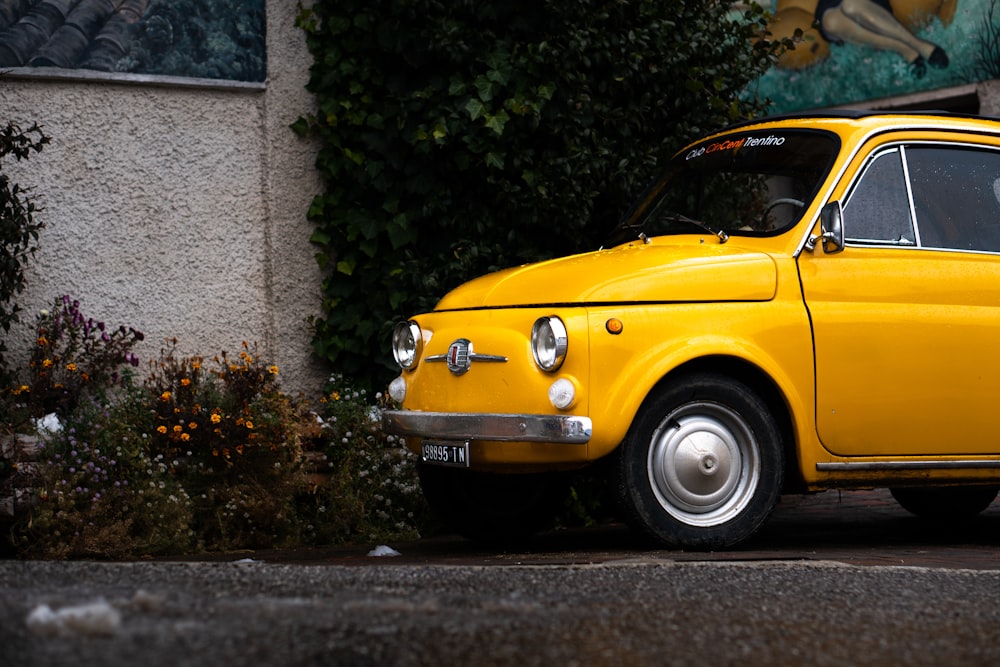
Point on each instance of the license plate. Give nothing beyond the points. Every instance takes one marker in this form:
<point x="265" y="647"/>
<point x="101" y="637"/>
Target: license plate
<point x="445" y="453"/>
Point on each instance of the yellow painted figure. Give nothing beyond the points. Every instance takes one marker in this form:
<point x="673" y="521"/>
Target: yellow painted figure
<point x="882" y="24"/>
<point x="798" y="304"/>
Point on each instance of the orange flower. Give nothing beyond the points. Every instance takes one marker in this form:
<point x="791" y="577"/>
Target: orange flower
<point x="161" y="429"/>
<point x="47" y="363"/>
<point x="178" y="428"/>
<point x="192" y="425"/>
<point x="42" y="341"/>
<point x="239" y="449"/>
<point x="165" y="396"/>
<point x="71" y="367"/>
<point x="273" y="370"/>
<point x="185" y="382"/>
<point x="185" y="437"/>
<point x="248" y="424"/>
<point x="216" y="418"/>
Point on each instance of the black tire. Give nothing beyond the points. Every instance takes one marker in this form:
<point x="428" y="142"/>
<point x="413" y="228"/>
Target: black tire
<point x="945" y="502"/>
<point x="702" y="465"/>
<point x="492" y="507"/>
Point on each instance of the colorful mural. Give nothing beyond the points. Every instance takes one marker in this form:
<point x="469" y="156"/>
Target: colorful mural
<point x="856" y="50"/>
<point x="213" y="39"/>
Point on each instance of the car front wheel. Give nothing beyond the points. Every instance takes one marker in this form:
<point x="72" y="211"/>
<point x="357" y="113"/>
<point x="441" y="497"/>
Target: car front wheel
<point x="702" y="465"/>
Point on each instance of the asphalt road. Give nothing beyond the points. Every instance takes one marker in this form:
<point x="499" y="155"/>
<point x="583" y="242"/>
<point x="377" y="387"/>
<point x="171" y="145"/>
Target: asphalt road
<point x="832" y="580"/>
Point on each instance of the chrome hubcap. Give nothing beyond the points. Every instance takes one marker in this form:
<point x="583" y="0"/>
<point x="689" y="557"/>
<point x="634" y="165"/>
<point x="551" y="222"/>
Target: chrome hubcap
<point x="704" y="464"/>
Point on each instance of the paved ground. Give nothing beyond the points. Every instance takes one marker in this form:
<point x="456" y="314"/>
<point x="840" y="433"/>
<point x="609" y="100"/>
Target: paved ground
<point x="852" y="527"/>
<point x="821" y="585"/>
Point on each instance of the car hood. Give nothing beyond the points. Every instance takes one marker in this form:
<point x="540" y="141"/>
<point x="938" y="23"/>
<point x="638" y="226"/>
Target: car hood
<point x="633" y="273"/>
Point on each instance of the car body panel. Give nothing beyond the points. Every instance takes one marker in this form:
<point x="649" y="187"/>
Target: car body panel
<point x="632" y="273"/>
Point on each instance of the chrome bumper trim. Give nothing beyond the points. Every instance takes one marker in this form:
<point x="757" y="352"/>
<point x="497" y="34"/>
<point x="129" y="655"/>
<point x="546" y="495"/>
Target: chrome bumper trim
<point x="560" y="429"/>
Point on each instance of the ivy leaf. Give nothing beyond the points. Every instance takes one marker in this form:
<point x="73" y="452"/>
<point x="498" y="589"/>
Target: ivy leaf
<point x="494" y="160"/>
<point x="497" y="121"/>
<point x="474" y="108"/>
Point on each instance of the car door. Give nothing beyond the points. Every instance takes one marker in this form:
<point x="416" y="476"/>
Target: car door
<point x="906" y="320"/>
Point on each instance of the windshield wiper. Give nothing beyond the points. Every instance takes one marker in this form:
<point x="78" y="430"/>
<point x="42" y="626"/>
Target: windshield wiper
<point x="677" y="217"/>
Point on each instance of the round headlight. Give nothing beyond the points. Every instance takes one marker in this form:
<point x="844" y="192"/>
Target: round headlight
<point x="406" y="343"/>
<point x="548" y="343"/>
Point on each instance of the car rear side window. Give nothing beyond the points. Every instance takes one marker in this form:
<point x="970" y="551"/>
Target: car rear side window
<point x="956" y="196"/>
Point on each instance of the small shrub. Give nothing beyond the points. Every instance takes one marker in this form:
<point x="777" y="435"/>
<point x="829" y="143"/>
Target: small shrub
<point x="19" y="228"/>
<point x="371" y="490"/>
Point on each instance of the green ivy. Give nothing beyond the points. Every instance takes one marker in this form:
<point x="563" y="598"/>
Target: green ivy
<point x="461" y="137"/>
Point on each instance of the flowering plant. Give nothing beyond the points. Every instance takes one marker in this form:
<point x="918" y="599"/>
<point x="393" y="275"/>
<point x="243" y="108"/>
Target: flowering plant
<point x="220" y="416"/>
<point x="231" y="436"/>
<point x="372" y="491"/>
<point x="73" y="356"/>
<point x="99" y="490"/>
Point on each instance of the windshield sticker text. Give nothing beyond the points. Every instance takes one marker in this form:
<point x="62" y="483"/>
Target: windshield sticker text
<point x="735" y="145"/>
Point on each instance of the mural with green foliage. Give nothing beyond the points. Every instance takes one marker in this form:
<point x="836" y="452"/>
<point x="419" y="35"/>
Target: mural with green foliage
<point x="462" y="137"/>
<point x="878" y="48"/>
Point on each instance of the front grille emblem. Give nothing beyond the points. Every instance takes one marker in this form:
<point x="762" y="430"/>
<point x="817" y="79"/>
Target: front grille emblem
<point x="460" y="357"/>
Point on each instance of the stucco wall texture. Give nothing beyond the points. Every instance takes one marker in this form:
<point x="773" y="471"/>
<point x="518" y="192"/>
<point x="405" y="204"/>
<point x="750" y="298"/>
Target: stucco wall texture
<point x="180" y="211"/>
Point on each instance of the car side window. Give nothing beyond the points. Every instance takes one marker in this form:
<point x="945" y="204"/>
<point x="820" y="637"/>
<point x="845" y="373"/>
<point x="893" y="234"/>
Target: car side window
<point x="877" y="212"/>
<point x="956" y="196"/>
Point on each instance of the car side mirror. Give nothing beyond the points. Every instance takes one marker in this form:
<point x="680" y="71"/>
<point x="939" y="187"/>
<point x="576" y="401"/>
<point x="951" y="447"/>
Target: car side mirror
<point x="831" y="220"/>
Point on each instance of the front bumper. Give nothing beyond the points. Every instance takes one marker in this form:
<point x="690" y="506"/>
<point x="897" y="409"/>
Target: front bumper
<point x="558" y="429"/>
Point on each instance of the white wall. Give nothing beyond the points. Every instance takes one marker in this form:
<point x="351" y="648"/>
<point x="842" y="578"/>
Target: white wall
<point x="180" y="211"/>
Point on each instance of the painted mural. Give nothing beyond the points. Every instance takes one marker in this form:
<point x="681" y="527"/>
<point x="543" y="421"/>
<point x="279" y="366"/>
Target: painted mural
<point x="211" y="39"/>
<point x="856" y="50"/>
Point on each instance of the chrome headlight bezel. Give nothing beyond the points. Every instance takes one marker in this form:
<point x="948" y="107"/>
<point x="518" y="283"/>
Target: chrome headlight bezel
<point x="407" y="344"/>
<point x="549" y="342"/>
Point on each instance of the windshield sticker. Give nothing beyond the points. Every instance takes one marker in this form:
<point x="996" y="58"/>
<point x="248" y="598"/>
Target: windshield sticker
<point x="735" y="145"/>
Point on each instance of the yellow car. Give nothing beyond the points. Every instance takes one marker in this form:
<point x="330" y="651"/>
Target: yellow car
<point x="800" y="303"/>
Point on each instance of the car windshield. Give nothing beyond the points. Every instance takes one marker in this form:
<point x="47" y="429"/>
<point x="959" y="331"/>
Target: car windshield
<point x="753" y="183"/>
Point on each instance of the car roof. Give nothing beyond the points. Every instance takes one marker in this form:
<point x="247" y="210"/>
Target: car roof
<point x="892" y="117"/>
